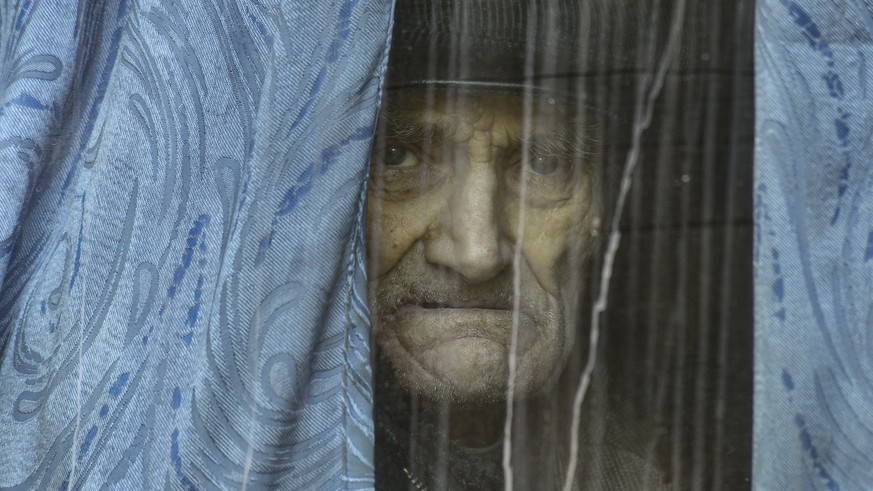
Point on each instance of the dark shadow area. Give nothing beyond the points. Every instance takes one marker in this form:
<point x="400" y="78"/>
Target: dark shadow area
<point x="677" y="337"/>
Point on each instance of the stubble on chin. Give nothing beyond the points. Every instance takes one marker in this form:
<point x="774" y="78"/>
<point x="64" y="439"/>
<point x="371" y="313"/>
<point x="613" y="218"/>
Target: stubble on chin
<point x="481" y="373"/>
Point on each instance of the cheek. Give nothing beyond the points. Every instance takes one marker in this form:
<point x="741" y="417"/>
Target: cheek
<point x="542" y="255"/>
<point x="392" y="228"/>
<point x="548" y="238"/>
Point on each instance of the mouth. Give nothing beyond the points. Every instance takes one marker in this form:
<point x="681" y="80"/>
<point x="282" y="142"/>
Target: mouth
<point x="424" y="325"/>
<point x="460" y="305"/>
<point x="497" y="301"/>
<point x="495" y="313"/>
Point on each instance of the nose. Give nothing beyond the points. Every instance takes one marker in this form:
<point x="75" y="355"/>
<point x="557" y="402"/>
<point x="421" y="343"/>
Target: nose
<point x="468" y="237"/>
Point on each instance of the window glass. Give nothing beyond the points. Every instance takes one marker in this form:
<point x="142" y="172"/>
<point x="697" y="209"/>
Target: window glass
<point x="559" y="237"/>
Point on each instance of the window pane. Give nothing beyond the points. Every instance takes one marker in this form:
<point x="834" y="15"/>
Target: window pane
<point x="559" y="241"/>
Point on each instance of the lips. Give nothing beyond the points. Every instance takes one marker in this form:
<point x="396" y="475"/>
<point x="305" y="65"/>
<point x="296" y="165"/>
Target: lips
<point x="427" y="325"/>
<point x="491" y="300"/>
<point x="463" y="305"/>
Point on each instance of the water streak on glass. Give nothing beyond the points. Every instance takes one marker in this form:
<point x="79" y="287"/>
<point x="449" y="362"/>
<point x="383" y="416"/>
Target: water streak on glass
<point x="642" y="121"/>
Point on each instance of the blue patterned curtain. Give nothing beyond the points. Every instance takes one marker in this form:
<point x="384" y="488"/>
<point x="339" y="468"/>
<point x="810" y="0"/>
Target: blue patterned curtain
<point x="814" y="246"/>
<point x="181" y="243"/>
<point x="181" y="199"/>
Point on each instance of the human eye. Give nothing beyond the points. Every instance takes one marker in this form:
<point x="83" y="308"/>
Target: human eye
<point x="399" y="157"/>
<point x="401" y="171"/>
<point x="548" y="164"/>
<point x="394" y="157"/>
<point x="542" y="175"/>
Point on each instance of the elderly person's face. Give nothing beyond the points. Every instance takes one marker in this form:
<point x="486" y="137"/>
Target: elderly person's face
<point x="481" y="207"/>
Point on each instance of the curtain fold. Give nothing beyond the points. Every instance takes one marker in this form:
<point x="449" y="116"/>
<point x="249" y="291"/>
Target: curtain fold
<point x="813" y="246"/>
<point x="181" y="243"/>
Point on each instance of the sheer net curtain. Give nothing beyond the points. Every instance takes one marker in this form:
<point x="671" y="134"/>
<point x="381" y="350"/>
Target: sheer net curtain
<point x="672" y="82"/>
<point x="677" y="335"/>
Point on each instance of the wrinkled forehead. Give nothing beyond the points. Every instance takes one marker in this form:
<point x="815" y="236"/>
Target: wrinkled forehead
<point x="459" y="112"/>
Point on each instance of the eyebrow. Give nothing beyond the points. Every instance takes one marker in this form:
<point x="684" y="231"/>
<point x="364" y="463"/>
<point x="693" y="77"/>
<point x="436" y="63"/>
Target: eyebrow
<point x="559" y="143"/>
<point x="562" y="140"/>
<point x="404" y="127"/>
